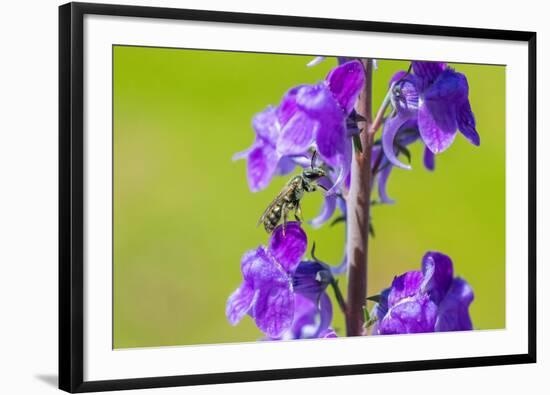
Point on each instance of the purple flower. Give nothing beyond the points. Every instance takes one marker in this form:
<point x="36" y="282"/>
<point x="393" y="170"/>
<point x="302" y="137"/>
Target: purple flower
<point x="434" y="101"/>
<point x="309" y="116"/>
<point x="272" y="276"/>
<point x="311" y="319"/>
<point x="263" y="161"/>
<point x="315" y="115"/>
<point x="430" y="300"/>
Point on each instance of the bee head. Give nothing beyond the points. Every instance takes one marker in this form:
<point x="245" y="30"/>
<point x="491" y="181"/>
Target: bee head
<point x="314" y="173"/>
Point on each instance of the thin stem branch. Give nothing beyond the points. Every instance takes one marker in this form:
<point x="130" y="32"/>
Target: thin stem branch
<point x="358" y="212"/>
<point x="338" y="295"/>
<point x="379" y="119"/>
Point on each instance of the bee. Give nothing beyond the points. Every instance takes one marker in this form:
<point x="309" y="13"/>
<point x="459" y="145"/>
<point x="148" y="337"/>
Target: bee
<point x="289" y="198"/>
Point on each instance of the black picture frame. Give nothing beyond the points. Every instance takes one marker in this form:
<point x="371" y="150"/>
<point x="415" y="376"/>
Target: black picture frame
<point x="71" y="195"/>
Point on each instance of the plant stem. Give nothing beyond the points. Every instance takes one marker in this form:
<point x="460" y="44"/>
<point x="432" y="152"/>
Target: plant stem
<point x="358" y="211"/>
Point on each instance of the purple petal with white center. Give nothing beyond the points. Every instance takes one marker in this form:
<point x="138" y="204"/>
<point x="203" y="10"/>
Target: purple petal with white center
<point x="382" y="184"/>
<point x="289" y="248"/>
<point x="274" y="307"/>
<point x="438" y="275"/>
<point x="467" y="122"/>
<point x="391" y="127"/>
<point x="453" y="312"/>
<point x="345" y="83"/>
<point x="404" y="91"/>
<point x="239" y="303"/>
<point x="297" y="134"/>
<point x="405" y="286"/>
<point x="429" y="159"/>
<point x="261" y="166"/>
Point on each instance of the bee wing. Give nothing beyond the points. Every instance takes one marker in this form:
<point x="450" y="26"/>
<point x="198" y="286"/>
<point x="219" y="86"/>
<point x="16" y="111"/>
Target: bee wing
<point x="283" y="193"/>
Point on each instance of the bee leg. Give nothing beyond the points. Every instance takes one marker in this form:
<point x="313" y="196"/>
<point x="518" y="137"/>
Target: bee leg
<point x="284" y="210"/>
<point x="298" y="213"/>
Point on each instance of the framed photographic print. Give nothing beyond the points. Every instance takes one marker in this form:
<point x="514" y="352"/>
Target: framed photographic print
<point x="239" y="188"/>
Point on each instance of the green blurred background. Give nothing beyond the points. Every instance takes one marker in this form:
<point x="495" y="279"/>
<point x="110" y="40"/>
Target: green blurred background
<point x="183" y="213"/>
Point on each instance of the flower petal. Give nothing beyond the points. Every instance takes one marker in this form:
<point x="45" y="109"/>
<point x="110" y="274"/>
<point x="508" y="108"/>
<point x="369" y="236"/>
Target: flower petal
<point x="404" y="92"/>
<point x="437" y="113"/>
<point x="328" y="334"/>
<point x="429" y="159"/>
<point x="239" y="303"/>
<point x="274" y="308"/>
<point x="467" y="123"/>
<point x="437" y="125"/>
<point x="297" y="135"/>
<point x="398" y="76"/>
<point x="266" y="125"/>
<point x="288" y="107"/>
<point x="438" y="275"/>
<point x="325" y="312"/>
<point x="382" y="183"/>
<point x="345" y="82"/>
<point x="391" y="127"/>
<point x="453" y="312"/>
<point x="327" y="209"/>
<point x="333" y="143"/>
<point x="404" y="286"/>
<point x="410" y="316"/>
<point x="259" y="267"/>
<point x="247" y="263"/>
<point x="343" y="171"/>
<point x="288" y="249"/>
<point x="427" y="72"/>
<point x="316" y="60"/>
<point x="311" y="278"/>
<point x="285" y="166"/>
<point x="305" y="313"/>
<point x="261" y="166"/>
